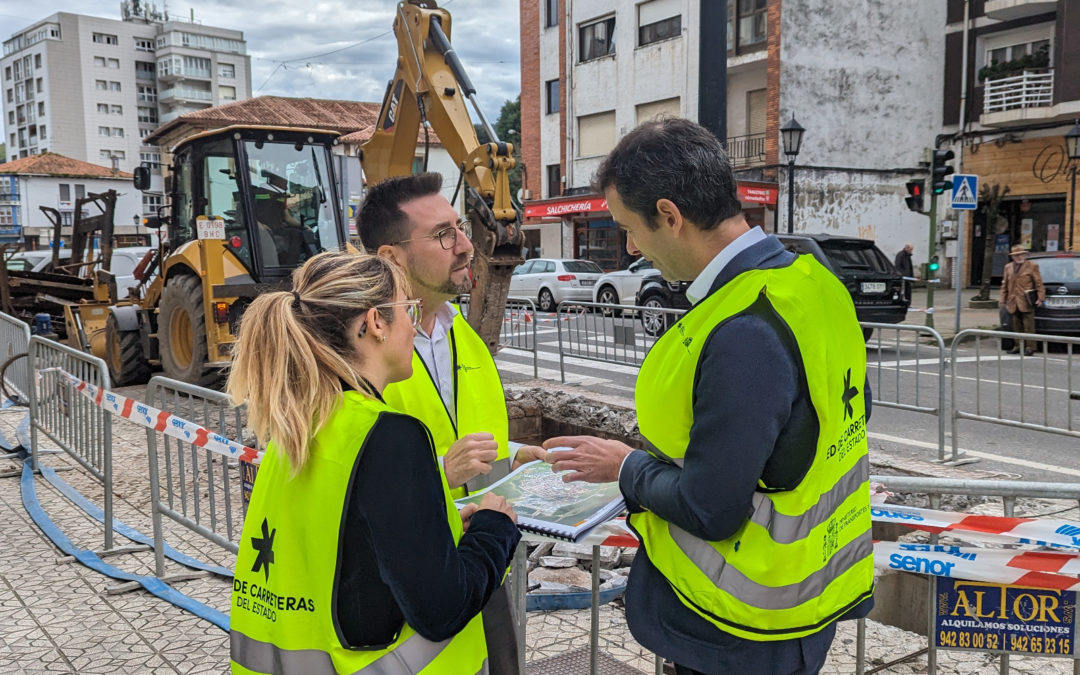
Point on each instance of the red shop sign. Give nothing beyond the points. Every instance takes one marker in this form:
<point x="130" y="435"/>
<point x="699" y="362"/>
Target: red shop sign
<point x="565" y="207"/>
<point x="757" y="195"/>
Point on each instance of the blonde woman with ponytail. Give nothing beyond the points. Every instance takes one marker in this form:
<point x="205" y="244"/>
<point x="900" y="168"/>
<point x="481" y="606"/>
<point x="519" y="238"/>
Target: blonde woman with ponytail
<point x="353" y="557"/>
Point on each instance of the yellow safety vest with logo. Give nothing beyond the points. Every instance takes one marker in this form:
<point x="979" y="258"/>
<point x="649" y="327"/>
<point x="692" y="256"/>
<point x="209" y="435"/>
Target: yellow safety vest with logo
<point x="282" y="617"/>
<point x="478" y="395"/>
<point x="804" y="556"/>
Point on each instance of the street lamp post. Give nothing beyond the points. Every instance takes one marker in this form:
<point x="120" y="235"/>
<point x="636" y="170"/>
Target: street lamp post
<point x="792" y="134"/>
<point x="1072" y="149"/>
<point x="136" y="219"/>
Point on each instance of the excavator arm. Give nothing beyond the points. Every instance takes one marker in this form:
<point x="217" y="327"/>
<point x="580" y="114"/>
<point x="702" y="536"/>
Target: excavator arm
<point x="430" y="85"/>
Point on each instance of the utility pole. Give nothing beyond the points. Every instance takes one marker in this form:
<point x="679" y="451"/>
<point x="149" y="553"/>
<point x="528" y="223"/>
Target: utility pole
<point x="930" y="253"/>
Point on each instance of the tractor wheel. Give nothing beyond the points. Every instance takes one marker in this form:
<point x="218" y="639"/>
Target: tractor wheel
<point x="124" y="355"/>
<point x="182" y="333"/>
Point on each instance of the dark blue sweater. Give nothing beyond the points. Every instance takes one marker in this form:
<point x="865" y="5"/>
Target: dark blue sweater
<point x="750" y="416"/>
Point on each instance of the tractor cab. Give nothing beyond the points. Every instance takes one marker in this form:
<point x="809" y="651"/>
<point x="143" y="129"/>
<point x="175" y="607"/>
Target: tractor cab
<point x="273" y="190"/>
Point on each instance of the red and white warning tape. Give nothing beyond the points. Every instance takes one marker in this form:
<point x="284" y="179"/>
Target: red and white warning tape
<point x="1037" y="569"/>
<point x="159" y="420"/>
<point x="1048" y="532"/>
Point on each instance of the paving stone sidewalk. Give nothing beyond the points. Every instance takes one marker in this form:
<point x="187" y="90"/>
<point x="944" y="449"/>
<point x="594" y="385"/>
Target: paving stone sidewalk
<point x="59" y="617"/>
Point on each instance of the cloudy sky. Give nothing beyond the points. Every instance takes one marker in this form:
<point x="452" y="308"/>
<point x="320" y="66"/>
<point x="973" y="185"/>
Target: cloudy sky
<point x="328" y="48"/>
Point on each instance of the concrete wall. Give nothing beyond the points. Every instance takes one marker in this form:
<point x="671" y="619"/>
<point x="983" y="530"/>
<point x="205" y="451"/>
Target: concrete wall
<point x="865" y="79"/>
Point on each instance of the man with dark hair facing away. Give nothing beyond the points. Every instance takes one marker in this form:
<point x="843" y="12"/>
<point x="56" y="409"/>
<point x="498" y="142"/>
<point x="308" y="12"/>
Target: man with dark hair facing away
<point x="751" y="497"/>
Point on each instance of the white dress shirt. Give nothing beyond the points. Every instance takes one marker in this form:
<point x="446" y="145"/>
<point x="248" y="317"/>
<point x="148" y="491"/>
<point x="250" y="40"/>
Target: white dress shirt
<point x="434" y="351"/>
<point x="704" y="281"/>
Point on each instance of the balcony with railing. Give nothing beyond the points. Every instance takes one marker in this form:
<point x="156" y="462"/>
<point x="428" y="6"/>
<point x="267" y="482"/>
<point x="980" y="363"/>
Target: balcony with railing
<point x="179" y="71"/>
<point x="1029" y="95"/>
<point x="185" y="93"/>
<point x="746" y="151"/>
<point x="9" y="197"/>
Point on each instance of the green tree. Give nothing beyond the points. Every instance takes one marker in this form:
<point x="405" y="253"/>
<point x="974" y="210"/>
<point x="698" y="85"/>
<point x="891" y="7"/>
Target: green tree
<point x="508" y="128"/>
<point x="3" y="153"/>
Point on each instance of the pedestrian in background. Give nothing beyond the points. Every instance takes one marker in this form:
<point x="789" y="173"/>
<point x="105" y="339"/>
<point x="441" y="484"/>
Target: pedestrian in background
<point x="1022" y="291"/>
<point x="751" y="499"/>
<point x="903" y="265"/>
<point x="353" y="556"/>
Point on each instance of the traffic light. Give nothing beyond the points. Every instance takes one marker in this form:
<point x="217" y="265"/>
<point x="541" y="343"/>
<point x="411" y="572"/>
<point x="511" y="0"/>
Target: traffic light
<point x="939" y="170"/>
<point x="933" y="265"/>
<point x="915" y="199"/>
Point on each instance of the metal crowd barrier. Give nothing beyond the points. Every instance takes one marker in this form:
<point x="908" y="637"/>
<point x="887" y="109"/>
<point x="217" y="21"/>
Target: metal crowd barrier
<point x="519" y="326"/>
<point x="1008" y="490"/>
<point x="519" y="329"/>
<point x="66" y="417"/>
<point x="1055" y="379"/>
<point x="618" y="334"/>
<point x="919" y="365"/>
<point x="196" y="488"/>
<point x="15" y="335"/>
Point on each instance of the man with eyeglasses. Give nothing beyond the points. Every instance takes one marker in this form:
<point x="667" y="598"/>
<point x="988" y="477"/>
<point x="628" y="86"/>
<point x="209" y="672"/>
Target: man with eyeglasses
<point x="455" y="387"/>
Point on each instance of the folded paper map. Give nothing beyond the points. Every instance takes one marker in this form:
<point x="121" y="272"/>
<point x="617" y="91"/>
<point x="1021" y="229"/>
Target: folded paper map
<point x="546" y="505"/>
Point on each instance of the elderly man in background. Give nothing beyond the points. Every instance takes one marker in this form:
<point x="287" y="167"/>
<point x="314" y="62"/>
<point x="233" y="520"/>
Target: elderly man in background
<point x="1022" y="291"/>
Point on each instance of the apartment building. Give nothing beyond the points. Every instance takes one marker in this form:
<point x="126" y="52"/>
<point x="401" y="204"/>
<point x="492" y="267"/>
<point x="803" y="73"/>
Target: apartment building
<point x="1012" y="92"/>
<point x="863" y="78"/>
<point x="92" y="88"/>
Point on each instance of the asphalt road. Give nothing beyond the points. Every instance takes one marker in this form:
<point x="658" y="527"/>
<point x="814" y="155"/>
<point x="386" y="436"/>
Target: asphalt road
<point x="600" y="355"/>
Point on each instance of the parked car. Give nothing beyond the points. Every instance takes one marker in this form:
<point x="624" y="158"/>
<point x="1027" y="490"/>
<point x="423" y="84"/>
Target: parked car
<point x="615" y="288"/>
<point x="876" y="287"/>
<point x="35" y="261"/>
<point x="124" y="261"/>
<point x="1060" y="314"/>
<point x="657" y="293"/>
<point x="552" y="281"/>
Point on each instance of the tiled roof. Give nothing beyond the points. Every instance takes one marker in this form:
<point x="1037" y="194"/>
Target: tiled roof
<point x="355" y="120"/>
<point x="52" y="164"/>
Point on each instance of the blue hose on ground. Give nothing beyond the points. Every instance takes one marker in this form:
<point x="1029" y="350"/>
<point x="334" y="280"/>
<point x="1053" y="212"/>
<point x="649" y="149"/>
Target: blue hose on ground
<point x="152" y="584"/>
<point x="123" y="529"/>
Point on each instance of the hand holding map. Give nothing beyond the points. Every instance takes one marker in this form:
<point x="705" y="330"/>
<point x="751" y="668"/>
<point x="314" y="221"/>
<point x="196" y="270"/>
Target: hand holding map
<point x="546" y="505"/>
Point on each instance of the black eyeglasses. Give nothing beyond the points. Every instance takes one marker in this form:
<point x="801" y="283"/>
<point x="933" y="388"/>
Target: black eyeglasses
<point x="447" y="236"/>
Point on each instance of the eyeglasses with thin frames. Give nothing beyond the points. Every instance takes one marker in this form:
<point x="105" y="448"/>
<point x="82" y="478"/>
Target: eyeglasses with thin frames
<point x="447" y="236"/>
<point x="413" y="308"/>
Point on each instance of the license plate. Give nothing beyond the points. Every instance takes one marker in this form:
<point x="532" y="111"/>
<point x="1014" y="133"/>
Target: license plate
<point x="1063" y="302"/>
<point x="588" y="282"/>
<point x="873" y="287"/>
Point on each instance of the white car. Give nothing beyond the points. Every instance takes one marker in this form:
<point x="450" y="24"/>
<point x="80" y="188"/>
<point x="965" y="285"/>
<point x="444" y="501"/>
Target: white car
<point x="552" y="281"/>
<point x="124" y="261"/>
<point x="620" y="288"/>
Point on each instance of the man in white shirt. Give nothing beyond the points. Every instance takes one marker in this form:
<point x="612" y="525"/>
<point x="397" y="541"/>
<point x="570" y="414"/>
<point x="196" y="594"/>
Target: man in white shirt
<point x="455" y="387"/>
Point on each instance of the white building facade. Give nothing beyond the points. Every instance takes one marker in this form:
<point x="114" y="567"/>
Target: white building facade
<point x="863" y="78"/>
<point x="92" y="88"/>
<point x="59" y="182"/>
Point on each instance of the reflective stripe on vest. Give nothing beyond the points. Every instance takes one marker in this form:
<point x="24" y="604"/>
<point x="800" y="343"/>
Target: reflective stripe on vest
<point x="288" y="565"/>
<point x="804" y="556"/>
<point x="478" y="394"/>
<point x="411" y="657"/>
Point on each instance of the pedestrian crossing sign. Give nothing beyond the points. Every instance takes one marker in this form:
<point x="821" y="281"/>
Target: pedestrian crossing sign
<point x="965" y="192"/>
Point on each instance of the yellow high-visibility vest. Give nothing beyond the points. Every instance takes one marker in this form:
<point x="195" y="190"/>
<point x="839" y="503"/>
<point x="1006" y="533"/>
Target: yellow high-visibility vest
<point x="804" y="557"/>
<point x="479" y="400"/>
<point x="282" y="601"/>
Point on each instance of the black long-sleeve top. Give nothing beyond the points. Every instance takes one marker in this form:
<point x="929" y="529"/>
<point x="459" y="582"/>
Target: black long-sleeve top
<point x="398" y="561"/>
